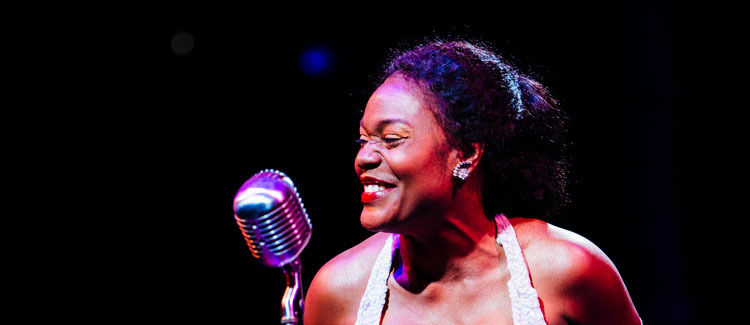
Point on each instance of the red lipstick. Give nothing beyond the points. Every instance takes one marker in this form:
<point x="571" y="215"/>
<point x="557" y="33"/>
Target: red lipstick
<point x="368" y="197"/>
<point x="372" y="191"/>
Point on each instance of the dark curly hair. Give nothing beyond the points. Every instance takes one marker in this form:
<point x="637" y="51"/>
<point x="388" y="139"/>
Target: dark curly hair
<point x="475" y="97"/>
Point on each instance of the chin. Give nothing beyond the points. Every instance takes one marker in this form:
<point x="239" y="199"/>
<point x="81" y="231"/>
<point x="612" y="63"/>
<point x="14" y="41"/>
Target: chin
<point x="374" y="221"/>
<point x="369" y="222"/>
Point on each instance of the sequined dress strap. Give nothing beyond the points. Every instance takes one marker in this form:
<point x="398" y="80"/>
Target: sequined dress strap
<point x="524" y="300"/>
<point x="371" y="305"/>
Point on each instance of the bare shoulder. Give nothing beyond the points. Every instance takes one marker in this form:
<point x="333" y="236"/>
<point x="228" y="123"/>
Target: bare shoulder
<point x="574" y="273"/>
<point x="558" y="250"/>
<point x="336" y="289"/>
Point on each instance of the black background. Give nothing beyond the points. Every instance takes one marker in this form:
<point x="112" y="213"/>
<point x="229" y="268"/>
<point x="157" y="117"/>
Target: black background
<point x="624" y="72"/>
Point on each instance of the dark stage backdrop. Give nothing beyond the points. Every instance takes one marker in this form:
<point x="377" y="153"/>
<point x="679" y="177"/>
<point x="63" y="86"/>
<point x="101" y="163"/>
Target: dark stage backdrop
<point x="243" y="87"/>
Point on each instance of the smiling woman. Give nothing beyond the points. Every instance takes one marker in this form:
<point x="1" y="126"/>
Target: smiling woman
<point x="460" y="159"/>
<point x="408" y="164"/>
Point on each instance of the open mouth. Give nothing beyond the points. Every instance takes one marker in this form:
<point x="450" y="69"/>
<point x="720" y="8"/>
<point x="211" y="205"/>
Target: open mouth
<point x="370" y="188"/>
<point x="374" y="189"/>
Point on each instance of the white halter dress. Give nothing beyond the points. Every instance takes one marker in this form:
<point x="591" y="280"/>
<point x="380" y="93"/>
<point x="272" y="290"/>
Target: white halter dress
<point x="523" y="297"/>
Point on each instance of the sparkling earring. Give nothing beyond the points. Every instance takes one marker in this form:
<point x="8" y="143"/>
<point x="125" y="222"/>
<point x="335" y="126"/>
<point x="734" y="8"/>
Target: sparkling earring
<point x="462" y="170"/>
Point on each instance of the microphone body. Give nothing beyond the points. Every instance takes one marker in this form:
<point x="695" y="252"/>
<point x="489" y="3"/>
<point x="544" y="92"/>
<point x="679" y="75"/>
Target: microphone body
<point x="272" y="218"/>
<point x="276" y="227"/>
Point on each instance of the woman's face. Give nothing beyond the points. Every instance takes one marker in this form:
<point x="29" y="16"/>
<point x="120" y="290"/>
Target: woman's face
<point x="406" y="166"/>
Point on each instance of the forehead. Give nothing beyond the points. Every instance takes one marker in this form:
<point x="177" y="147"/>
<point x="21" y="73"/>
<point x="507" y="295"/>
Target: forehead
<point x="397" y="99"/>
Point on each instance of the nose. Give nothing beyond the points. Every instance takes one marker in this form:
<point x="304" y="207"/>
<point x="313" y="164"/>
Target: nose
<point x="368" y="157"/>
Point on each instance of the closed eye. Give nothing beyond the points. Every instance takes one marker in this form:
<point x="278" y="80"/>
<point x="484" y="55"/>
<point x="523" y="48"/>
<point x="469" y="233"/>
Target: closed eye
<point x="388" y="142"/>
<point x="391" y="140"/>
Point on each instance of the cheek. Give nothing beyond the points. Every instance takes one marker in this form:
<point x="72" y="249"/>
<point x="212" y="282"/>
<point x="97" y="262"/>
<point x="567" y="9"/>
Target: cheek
<point x="424" y="172"/>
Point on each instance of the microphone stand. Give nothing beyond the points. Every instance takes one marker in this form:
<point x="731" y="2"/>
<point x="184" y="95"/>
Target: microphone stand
<point x="293" y="301"/>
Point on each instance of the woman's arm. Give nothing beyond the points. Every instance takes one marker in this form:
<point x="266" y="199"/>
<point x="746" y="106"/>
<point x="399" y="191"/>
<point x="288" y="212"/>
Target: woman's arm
<point x="595" y="293"/>
<point x="337" y="288"/>
<point x="326" y="301"/>
<point x="576" y="280"/>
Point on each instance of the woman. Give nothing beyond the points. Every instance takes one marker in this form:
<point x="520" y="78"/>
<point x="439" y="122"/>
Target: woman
<point x="459" y="154"/>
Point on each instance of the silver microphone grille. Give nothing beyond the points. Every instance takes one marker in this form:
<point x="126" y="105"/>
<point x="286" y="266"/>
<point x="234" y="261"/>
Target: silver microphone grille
<point x="272" y="218"/>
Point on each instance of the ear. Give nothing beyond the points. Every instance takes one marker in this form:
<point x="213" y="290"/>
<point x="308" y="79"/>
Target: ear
<point x="476" y="156"/>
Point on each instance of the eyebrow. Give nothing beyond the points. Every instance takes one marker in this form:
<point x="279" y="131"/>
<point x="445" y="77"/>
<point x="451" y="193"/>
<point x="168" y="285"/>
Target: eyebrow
<point x="383" y="123"/>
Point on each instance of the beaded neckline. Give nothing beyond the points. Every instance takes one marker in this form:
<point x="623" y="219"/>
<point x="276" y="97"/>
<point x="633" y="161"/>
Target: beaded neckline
<point x="523" y="297"/>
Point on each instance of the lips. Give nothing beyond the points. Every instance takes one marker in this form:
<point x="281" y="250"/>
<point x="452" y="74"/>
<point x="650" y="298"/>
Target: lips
<point x="374" y="189"/>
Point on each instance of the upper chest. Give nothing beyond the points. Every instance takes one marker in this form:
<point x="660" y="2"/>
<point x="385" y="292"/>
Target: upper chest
<point x="484" y="301"/>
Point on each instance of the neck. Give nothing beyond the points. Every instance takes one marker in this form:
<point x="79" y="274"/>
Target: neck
<point x="462" y="247"/>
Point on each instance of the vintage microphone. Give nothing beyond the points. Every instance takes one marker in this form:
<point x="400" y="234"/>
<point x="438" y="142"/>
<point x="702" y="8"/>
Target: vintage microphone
<point x="276" y="227"/>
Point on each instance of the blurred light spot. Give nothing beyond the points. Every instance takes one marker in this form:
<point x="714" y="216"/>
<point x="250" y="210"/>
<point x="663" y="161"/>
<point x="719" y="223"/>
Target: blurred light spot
<point x="182" y="43"/>
<point x="316" y="61"/>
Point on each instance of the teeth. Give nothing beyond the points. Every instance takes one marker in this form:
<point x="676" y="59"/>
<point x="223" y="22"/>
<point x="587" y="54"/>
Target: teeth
<point x="373" y="188"/>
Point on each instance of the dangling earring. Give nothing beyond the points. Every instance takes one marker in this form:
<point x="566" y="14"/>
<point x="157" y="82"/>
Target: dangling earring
<point x="462" y="170"/>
